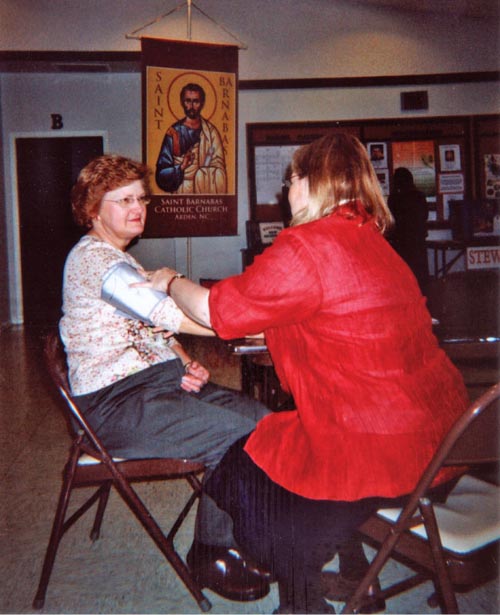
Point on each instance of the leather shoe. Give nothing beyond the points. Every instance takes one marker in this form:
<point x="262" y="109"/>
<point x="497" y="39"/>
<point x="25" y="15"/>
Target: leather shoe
<point x="254" y="566"/>
<point x="225" y="571"/>
<point x="339" y="588"/>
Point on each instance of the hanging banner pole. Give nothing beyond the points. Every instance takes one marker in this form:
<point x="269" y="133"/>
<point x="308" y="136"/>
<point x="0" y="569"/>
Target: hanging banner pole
<point x="189" y="247"/>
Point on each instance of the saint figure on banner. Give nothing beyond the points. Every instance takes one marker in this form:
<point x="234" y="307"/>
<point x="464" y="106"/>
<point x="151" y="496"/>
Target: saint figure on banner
<point x="191" y="158"/>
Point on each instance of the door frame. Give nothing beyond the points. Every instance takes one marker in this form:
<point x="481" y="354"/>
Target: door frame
<point x="13" y="231"/>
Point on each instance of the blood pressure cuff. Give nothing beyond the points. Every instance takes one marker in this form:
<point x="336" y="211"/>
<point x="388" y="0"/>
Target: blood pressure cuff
<point x="130" y="302"/>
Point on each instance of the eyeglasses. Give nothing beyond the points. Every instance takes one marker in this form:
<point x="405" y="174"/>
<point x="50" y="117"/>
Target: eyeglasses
<point x="128" y="201"/>
<point x="287" y="183"/>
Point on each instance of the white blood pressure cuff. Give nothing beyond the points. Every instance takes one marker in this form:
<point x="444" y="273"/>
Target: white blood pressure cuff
<point x="131" y="302"/>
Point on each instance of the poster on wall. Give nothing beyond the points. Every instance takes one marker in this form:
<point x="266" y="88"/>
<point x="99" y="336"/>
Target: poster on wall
<point x="492" y="176"/>
<point x="271" y="163"/>
<point x="378" y="155"/>
<point x="189" y="99"/>
<point x="383" y="180"/>
<point x="449" y="158"/>
<point x="418" y="157"/>
<point x="451" y="182"/>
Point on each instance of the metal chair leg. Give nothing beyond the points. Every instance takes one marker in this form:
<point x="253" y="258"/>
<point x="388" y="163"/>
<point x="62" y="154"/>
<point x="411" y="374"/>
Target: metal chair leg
<point x="166" y="547"/>
<point x="56" y="534"/>
<point x="101" y="507"/>
<point x="444" y="586"/>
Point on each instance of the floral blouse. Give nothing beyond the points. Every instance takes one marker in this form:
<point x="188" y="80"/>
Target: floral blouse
<point x="103" y="346"/>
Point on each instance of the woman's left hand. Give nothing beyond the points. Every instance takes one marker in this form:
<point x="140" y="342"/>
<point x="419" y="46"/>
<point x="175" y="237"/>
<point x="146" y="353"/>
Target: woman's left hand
<point x="196" y="377"/>
<point x="165" y="332"/>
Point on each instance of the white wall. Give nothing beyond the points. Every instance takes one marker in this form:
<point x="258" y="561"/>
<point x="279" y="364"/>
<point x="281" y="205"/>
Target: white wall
<point x="285" y="38"/>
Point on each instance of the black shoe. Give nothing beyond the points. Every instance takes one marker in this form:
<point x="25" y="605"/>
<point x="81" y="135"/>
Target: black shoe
<point x="340" y="589"/>
<point x="259" y="569"/>
<point x="225" y="571"/>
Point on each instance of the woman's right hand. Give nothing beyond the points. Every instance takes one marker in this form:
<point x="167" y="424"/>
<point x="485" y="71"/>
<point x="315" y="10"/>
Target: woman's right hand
<point x="158" y="280"/>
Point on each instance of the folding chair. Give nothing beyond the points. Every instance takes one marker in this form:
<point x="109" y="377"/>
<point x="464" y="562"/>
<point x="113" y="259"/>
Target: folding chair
<point x="89" y="464"/>
<point x="454" y="544"/>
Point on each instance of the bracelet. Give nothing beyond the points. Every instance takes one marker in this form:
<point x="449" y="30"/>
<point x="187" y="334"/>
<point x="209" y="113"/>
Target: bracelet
<point x="186" y="366"/>
<point x="177" y="276"/>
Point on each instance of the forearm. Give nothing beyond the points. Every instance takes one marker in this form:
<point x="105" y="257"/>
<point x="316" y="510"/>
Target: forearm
<point x="180" y="352"/>
<point x="189" y="297"/>
<point x="192" y="299"/>
<point x="188" y="325"/>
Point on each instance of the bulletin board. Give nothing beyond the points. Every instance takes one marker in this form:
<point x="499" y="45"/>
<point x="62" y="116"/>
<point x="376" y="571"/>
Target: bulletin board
<point x="269" y="151"/>
<point x="451" y="158"/>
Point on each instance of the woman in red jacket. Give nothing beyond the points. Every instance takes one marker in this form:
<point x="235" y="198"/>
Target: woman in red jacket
<point x="351" y="339"/>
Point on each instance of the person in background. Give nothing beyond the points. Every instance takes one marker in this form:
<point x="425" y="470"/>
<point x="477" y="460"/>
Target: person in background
<point x="139" y="389"/>
<point x="409" y="208"/>
<point x="350" y="337"/>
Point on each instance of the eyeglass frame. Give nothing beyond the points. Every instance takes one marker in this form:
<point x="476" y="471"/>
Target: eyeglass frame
<point x="287" y="183"/>
<point x="128" y="201"/>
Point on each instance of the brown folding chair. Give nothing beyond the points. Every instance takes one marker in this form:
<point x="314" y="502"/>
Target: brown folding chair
<point x="104" y="472"/>
<point x="455" y="544"/>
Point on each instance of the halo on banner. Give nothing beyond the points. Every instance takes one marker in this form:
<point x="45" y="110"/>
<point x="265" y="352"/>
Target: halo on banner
<point x="174" y="94"/>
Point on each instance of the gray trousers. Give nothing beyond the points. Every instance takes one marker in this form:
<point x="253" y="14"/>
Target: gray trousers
<point x="147" y="414"/>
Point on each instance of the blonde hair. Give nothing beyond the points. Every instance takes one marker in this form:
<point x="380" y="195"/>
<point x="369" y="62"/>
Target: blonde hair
<point x="101" y="175"/>
<point x="338" y="171"/>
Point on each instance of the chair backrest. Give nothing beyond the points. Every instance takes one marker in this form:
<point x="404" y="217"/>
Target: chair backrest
<point x="477" y="437"/>
<point x="455" y="449"/>
<point x="55" y="360"/>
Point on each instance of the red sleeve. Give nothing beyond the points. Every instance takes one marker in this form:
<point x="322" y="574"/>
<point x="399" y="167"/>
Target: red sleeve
<point x="281" y="287"/>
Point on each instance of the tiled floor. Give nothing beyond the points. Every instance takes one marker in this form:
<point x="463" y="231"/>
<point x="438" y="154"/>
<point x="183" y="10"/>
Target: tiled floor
<point x="122" y="572"/>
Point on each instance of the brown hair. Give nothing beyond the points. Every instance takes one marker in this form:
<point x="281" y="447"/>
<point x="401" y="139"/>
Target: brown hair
<point x="338" y="171"/>
<point x="102" y="175"/>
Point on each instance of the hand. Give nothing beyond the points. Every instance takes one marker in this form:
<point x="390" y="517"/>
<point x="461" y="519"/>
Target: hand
<point x="165" y="332"/>
<point x="158" y="280"/>
<point x="196" y="377"/>
<point x="187" y="160"/>
<point x="256" y="336"/>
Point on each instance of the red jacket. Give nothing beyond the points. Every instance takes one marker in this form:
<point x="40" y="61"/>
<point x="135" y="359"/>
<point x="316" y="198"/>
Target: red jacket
<point x="351" y="339"/>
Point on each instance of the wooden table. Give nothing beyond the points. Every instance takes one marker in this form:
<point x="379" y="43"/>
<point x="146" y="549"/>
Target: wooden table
<point x="442" y="248"/>
<point x="258" y="378"/>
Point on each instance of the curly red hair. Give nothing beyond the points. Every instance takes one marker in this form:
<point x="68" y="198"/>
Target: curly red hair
<point x="101" y="175"/>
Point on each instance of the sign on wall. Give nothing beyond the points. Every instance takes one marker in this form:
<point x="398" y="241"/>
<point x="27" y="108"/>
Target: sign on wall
<point x="190" y="137"/>
<point x="483" y="257"/>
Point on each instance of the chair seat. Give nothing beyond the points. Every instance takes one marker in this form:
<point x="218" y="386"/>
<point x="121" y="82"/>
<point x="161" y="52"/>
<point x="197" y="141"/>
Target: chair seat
<point x="465" y="523"/>
<point x="86" y="460"/>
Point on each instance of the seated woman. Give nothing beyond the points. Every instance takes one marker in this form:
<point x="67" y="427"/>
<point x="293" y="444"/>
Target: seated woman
<point x="142" y="400"/>
<point x="351" y="339"/>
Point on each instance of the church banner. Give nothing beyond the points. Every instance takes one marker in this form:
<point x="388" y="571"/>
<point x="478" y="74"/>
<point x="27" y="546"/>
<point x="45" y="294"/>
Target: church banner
<point x="189" y="101"/>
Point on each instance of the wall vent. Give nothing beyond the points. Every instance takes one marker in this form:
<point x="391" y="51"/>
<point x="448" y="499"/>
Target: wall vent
<point x="414" y="101"/>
